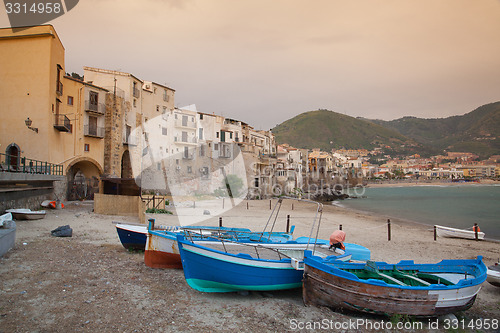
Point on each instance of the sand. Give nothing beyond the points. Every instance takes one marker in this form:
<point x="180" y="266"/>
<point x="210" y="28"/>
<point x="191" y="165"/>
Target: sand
<point x="91" y="283"/>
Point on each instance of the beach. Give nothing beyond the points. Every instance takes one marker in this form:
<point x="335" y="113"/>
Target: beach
<point x="89" y="282"/>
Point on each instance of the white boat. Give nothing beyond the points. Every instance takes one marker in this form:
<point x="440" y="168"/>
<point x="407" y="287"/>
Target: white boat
<point x="457" y="233"/>
<point x="26" y="214"/>
<point x="494" y="274"/>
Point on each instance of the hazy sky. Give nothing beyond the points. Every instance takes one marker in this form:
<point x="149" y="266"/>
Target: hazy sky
<point x="264" y="62"/>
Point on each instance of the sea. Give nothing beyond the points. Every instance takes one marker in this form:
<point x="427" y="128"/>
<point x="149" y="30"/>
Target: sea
<point x="457" y="206"/>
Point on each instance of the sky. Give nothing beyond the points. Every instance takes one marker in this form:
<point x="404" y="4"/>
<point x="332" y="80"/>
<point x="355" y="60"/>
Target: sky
<point x="266" y="61"/>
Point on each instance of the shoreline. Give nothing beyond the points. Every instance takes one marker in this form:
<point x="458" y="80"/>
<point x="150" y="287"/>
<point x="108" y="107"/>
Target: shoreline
<point x="388" y="183"/>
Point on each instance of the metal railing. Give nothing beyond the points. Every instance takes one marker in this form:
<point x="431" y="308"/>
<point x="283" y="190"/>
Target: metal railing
<point x="62" y="123"/>
<point x="11" y="163"/>
<point x="188" y="124"/>
<point x="59" y="88"/>
<point x="97" y="132"/>
<point x="92" y="107"/>
<point x="136" y="93"/>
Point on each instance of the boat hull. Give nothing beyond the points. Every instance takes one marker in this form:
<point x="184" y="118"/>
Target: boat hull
<point x="132" y="237"/>
<point x="215" y="271"/>
<point x="494" y="275"/>
<point x="26" y="214"/>
<point x="162" y="251"/>
<point x="457" y="233"/>
<point x="322" y="288"/>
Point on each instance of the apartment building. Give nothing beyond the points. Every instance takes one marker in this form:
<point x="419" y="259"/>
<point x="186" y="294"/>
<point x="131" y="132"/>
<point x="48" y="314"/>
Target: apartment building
<point x="46" y="115"/>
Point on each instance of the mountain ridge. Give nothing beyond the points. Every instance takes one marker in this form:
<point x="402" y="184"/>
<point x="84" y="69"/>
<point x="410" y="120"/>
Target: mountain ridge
<point x="477" y="132"/>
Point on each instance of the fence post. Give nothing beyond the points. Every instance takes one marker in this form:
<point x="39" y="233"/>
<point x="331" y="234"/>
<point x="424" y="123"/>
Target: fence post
<point x="270" y="204"/>
<point x="388" y="229"/>
<point x="287" y="223"/>
<point x="247" y="204"/>
<point x="220" y="222"/>
<point x="435" y="233"/>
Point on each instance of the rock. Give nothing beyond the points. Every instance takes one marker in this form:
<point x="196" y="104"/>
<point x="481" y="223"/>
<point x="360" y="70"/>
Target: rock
<point x="63" y="231"/>
<point x="206" y="212"/>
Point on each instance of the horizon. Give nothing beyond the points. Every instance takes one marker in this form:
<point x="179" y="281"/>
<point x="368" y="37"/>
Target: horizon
<point x="370" y="60"/>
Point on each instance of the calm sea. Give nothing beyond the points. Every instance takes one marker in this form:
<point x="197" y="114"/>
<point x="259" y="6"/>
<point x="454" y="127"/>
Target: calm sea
<point x="454" y="206"/>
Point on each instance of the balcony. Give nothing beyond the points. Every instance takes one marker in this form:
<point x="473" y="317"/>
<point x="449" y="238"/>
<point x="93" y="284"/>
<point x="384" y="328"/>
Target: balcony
<point x="95" y="132"/>
<point x="59" y="88"/>
<point x="98" y="108"/>
<point x="187" y="141"/>
<point x="189" y="156"/>
<point x="136" y="93"/>
<point x="62" y="123"/>
<point x="186" y="124"/>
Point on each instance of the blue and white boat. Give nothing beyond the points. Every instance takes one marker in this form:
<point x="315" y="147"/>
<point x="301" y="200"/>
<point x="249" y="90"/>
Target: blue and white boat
<point x="405" y="288"/>
<point x="132" y="237"/>
<point x="232" y="266"/>
<point x="162" y="250"/>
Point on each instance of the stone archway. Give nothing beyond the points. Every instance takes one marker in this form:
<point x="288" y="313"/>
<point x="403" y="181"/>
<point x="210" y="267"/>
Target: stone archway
<point x="126" y="165"/>
<point x="83" y="179"/>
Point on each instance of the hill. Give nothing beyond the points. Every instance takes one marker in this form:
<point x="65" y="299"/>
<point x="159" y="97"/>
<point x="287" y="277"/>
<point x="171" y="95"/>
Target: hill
<point x="327" y="129"/>
<point x="476" y="132"/>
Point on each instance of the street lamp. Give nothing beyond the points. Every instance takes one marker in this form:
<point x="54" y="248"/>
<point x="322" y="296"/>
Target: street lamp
<point x="28" y="123"/>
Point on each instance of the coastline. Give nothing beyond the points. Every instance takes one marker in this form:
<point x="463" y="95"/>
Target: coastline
<point x="393" y="183"/>
<point x="87" y="273"/>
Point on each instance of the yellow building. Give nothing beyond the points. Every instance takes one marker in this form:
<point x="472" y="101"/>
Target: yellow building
<point x="44" y="114"/>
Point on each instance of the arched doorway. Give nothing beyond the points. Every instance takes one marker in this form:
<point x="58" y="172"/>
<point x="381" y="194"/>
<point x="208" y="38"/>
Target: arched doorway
<point x="83" y="180"/>
<point x="126" y="171"/>
<point x="13" y="156"/>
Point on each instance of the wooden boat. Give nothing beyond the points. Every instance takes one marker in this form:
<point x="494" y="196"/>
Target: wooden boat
<point x="132" y="237"/>
<point x="26" y="214"/>
<point x="494" y="274"/>
<point x="404" y="288"/>
<point x="162" y="250"/>
<point x="457" y="233"/>
<point x="234" y="265"/>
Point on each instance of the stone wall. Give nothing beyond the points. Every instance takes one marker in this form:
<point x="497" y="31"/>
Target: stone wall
<point x="29" y="191"/>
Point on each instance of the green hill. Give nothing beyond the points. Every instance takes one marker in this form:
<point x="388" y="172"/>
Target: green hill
<point x="476" y="132"/>
<point x="327" y="129"/>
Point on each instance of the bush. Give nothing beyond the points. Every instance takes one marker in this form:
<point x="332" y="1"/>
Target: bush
<point x="158" y="211"/>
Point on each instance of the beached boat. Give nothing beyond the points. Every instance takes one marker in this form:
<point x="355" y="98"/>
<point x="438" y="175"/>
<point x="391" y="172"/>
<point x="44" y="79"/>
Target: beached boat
<point x="404" y="288"/>
<point x="232" y="265"/>
<point x="162" y="250"/>
<point x="494" y="274"/>
<point x="457" y="233"/>
<point x="132" y="237"/>
<point x="26" y="214"/>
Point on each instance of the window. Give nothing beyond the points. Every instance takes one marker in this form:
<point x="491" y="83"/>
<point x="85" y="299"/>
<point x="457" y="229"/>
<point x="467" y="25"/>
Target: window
<point x="135" y="103"/>
<point x="184" y="137"/>
<point x="202" y="150"/>
<point x="201" y="116"/>
<point x="70" y="100"/>
<point x="93" y="99"/>
<point x="184" y="120"/>
<point x="164" y="109"/>
<point x="165" y="95"/>
<point x="216" y="146"/>
<point x="200" y="133"/>
<point x="158" y="166"/>
<point x="189" y="169"/>
<point x="230" y="135"/>
<point x="164" y="131"/>
<point x="86" y="147"/>
<point x="157" y="108"/>
<point x="217" y="135"/>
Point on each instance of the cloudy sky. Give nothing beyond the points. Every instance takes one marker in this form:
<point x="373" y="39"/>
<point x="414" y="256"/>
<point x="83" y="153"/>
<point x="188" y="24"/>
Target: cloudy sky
<point x="265" y="61"/>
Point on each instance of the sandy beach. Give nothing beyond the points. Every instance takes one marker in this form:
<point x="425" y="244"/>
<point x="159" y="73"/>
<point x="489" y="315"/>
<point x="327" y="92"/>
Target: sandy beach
<point x="91" y="283"/>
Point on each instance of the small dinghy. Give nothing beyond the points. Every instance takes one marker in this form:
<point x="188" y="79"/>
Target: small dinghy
<point x="26" y="214"/>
